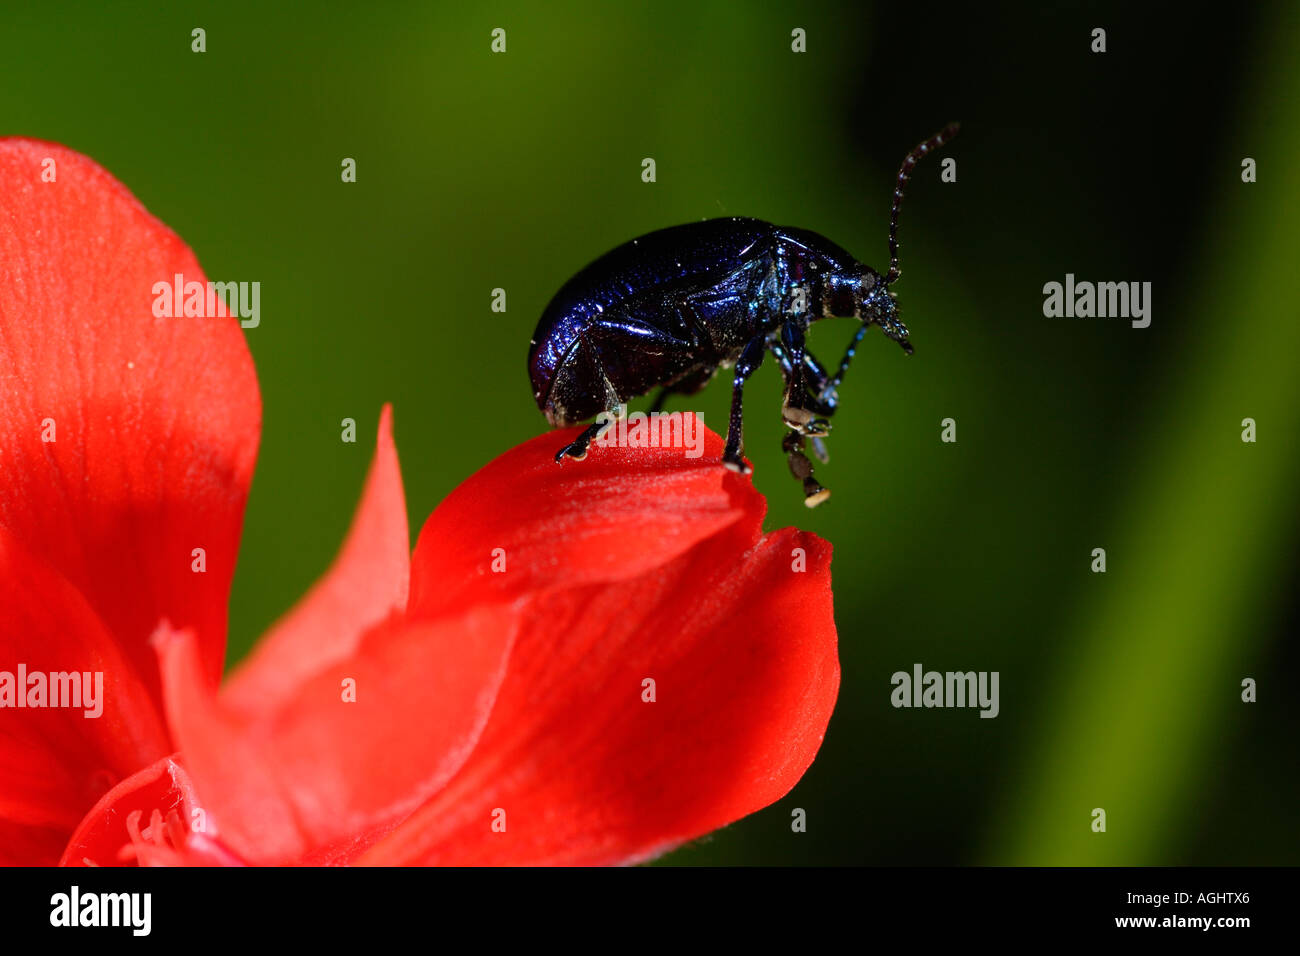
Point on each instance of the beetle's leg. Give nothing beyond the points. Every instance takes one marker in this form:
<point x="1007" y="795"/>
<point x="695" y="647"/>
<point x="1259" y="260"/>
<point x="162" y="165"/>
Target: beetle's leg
<point x="818" y="377"/>
<point x="829" y="389"/>
<point x="823" y="405"/>
<point x="815" y="377"/>
<point x="751" y="357"/>
<point x="813" y="493"/>
<point x="577" y="449"/>
<point x="798" y="411"/>
<point x="798" y="363"/>
<point x="660" y="400"/>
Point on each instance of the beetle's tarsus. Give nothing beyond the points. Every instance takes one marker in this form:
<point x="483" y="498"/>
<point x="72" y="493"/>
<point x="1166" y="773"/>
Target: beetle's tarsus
<point x="814" y="494"/>
<point x="802" y="468"/>
<point x="577" y="449"/>
<point x="817" y="428"/>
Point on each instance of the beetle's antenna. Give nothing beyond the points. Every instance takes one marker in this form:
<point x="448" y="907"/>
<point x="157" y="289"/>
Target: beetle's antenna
<point x="905" y="173"/>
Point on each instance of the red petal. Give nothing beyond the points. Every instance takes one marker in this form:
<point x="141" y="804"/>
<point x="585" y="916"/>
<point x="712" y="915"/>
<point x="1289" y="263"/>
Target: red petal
<point x="317" y="779"/>
<point x="608" y="518"/>
<point x="367" y="583"/>
<point x="742" y="649"/>
<point x="22" y="845"/>
<point x="156" y="419"/>
<point x="56" y="761"/>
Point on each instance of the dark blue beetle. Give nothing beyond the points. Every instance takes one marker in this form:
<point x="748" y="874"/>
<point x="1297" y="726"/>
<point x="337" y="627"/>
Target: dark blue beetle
<point x="670" y="308"/>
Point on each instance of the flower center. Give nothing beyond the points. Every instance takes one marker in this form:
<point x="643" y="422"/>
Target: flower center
<point x="158" y="844"/>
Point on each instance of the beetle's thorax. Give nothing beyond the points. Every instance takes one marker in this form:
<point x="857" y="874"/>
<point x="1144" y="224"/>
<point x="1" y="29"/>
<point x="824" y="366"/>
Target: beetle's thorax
<point x="844" y="295"/>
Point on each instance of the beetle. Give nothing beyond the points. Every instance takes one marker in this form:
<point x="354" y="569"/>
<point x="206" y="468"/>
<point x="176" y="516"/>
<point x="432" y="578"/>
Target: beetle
<point x="672" y="307"/>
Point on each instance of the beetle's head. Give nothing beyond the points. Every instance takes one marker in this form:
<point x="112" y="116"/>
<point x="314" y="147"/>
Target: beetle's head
<point x="860" y="291"/>
<point x="876" y="303"/>
<point x="881" y="307"/>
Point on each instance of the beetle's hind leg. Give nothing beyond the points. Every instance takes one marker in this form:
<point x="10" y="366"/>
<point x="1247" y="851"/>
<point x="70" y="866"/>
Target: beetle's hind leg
<point x="577" y="449"/>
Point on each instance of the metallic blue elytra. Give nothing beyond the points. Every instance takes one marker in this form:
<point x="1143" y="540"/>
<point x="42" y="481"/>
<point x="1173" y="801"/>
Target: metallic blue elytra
<point x="671" y="307"/>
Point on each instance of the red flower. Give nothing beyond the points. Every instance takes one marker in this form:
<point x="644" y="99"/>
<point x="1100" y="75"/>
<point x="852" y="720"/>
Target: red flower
<point x="486" y="700"/>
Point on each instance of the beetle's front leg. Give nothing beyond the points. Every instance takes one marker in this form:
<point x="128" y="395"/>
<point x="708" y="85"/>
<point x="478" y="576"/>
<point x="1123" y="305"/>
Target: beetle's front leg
<point x="813" y="493"/>
<point x="797" y="410"/>
<point x="817" y="377"/>
<point x="751" y="357"/>
<point x="797" y="363"/>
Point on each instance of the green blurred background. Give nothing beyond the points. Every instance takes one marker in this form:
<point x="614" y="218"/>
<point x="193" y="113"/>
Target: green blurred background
<point x="475" y="171"/>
